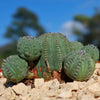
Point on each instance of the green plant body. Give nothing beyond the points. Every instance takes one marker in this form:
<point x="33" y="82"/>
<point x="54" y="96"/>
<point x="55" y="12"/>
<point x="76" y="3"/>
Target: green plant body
<point x="14" y="68"/>
<point x="93" y="51"/>
<point x="28" y="48"/>
<point x="75" y="45"/>
<point x="79" y="65"/>
<point x="47" y="56"/>
<point x="54" y="47"/>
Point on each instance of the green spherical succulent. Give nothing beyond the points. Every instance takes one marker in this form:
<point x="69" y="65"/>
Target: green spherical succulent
<point x="79" y="65"/>
<point x="29" y="48"/>
<point x="75" y="45"/>
<point x="93" y="51"/>
<point x="14" y="68"/>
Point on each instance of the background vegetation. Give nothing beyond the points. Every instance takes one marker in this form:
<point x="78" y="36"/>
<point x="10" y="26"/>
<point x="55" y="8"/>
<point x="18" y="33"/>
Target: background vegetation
<point x="23" y="21"/>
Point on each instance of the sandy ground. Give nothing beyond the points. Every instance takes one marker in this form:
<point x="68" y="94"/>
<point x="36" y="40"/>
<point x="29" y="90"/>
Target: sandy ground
<point x="52" y="90"/>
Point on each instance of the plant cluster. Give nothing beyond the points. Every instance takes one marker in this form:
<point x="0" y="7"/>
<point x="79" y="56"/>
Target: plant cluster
<point x="49" y="54"/>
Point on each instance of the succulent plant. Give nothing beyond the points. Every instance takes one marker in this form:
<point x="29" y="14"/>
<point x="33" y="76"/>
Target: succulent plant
<point x="54" y="47"/>
<point x="43" y="57"/>
<point x="28" y="48"/>
<point x="14" y="68"/>
<point x="93" y="51"/>
<point x="79" y="65"/>
<point x="75" y="45"/>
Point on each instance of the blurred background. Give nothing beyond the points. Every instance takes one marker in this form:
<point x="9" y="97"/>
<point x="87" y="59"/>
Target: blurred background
<point x="77" y="19"/>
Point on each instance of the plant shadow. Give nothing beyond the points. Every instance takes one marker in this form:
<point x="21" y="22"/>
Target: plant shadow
<point x="64" y="77"/>
<point x="9" y="84"/>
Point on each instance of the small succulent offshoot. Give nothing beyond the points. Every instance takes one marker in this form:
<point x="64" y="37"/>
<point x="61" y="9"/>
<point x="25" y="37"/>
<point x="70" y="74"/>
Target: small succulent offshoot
<point x="14" y="68"/>
<point x="28" y="48"/>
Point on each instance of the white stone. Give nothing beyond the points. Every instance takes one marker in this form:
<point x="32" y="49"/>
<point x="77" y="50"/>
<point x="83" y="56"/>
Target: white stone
<point x="97" y="66"/>
<point x="34" y="90"/>
<point x="94" y="87"/>
<point x="98" y="79"/>
<point x="51" y="93"/>
<point x="54" y="85"/>
<point x="47" y="85"/>
<point x="44" y="98"/>
<point x="3" y="80"/>
<point x="30" y="96"/>
<point x="92" y="80"/>
<point x="8" y="94"/>
<point x="81" y="85"/>
<point x="34" y="94"/>
<point x="71" y="86"/>
<point x="65" y="94"/>
<point x="2" y="88"/>
<point x="39" y="82"/>
<point x="85" y="95"/>
<point x="97" y="94"/>
<point x="2" y="98"/>
<point x="74" y="95"/>
<point x="20" y="89"/>
<point x="98" y="72"/>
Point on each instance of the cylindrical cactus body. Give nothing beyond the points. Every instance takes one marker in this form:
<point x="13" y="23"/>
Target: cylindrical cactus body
<point x="54" y="47"/>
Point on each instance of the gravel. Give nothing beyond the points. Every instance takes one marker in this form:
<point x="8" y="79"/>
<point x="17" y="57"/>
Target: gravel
<point x="52" y="90"/>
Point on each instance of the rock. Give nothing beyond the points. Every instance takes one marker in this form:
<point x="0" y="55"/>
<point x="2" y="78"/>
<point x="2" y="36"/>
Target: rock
<point x="20" y="89"/>
<point x="27" y="97"/>
<point x="76" y="85"/>
<point x="2" y="98"/>
<point x="51" y="93"/>
<point x="97" y="94"/>
<point x="97" y="65"/>
<point x="74" y="95"/>
<point x="97" y="98"/>
<point x="98" y="72"/>
<point x="54" y="84"/>
<point x="65" y="94"/>
<point x="84" y="95"/>
<point x="39" y="82"/>
<point x="8" y="94"/>
<point x="92" y="80"/>
<point x="1" y="75"/>
<point x="81" y="85"/>
<point x="46" y="86"/>
<point x="67" y="90"/>
<point x="2" y="88"/>
<point x="44" y="98"/>
<point x="33" y="91"/>
<point x="53" y="90"/>
<point x="70" y="86"/>
<point x="3" y="80"/>
<point x="98" y="79"/>
<point x="94" y="87"/>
